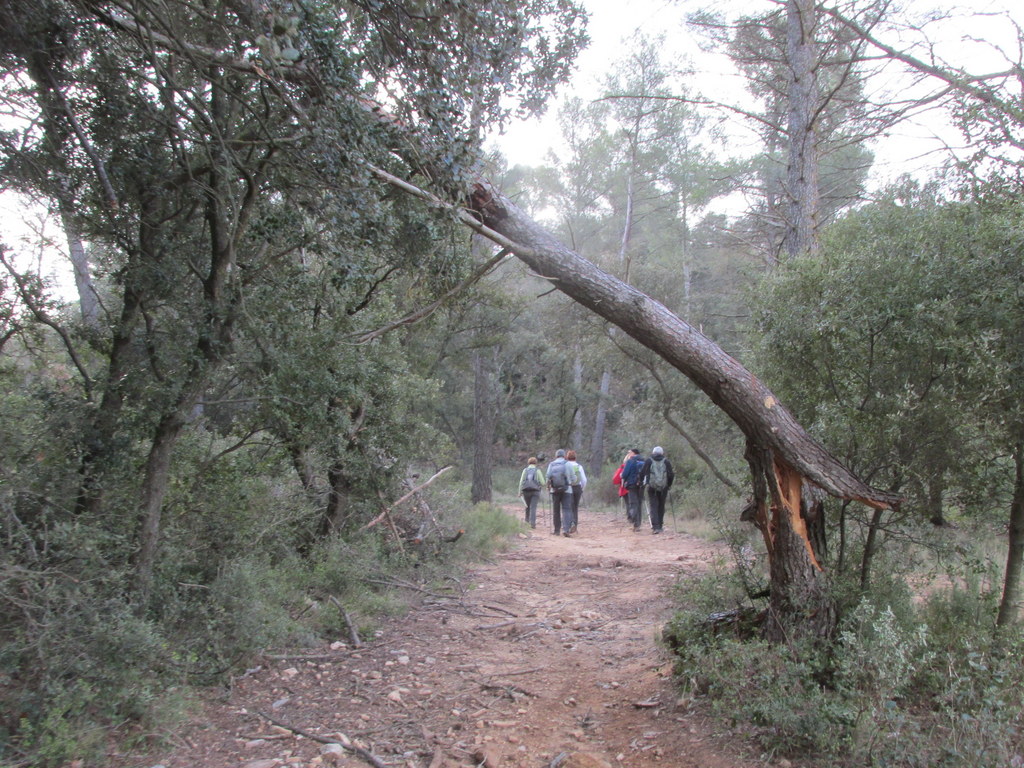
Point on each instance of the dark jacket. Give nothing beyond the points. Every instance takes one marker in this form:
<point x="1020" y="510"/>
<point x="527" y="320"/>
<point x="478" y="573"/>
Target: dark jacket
<point x="631" y="472"/>
<point x="645" y="473"/>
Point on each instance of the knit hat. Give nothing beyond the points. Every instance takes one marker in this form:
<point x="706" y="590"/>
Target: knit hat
<point x="657" y="451"/>
<point x="559" y="453"/>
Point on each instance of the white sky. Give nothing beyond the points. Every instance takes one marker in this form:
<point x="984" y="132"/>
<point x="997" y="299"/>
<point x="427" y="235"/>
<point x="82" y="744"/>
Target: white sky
<point x="613" y="22"/>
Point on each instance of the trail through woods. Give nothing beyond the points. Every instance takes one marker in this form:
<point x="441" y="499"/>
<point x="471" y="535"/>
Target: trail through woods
<point x="546" y="656"/>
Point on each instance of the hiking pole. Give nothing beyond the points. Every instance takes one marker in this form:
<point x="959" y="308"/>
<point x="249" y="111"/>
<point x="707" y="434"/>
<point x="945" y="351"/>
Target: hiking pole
<point x="668" y="498"/>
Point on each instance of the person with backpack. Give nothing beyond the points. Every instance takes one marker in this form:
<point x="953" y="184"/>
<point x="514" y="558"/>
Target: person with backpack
<point x="561" y="495"/>
<point x="634" y="487"/>
<point x="530" y="483"/>
<point x="577" y="482"/>
<point x="617" y="479"/>
<point x="657" y="475"/>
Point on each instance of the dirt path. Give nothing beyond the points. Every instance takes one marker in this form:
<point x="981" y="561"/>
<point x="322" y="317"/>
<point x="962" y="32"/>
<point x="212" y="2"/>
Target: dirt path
<point x="550" y="659"/>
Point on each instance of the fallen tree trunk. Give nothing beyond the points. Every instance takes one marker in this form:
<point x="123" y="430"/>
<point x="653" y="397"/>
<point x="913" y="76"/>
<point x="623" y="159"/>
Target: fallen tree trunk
<point x="782" y="456"/>
<point x="740" y="394"/>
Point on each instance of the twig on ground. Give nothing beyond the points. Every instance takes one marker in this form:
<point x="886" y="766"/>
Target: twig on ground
<point x="510" y="690"/>
<point x="499" y="609"/>
<point x="515" y="672"/>
<point x="363" y="753"/>
<point x="315" y="657"/>
<point x="495" y="626"/>
<point x="352" y="633"/>
<point x="403" y="584"/>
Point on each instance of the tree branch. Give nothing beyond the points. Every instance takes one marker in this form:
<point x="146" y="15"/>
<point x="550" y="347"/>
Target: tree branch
<point x="424" y="312"/>
<point x="26" y="294"/>
<point x="411" y="493"/>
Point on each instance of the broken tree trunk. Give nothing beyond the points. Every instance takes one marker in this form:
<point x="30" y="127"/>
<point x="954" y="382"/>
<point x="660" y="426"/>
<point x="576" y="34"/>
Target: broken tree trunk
<point x="748" y="402"/>
<point x="783" y="457"/>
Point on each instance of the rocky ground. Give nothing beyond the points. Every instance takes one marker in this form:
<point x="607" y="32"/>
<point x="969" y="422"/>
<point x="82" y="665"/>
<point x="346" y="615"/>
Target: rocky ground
<point x="546" y="657"/>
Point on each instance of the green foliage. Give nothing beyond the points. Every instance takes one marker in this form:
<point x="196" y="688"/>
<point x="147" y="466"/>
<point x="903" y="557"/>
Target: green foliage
<point x="910" y="684"/>
<point x="82" y="661"/>
<point x="488" y="529"/>
<point x="357" y="572"/>
<point x="898" y="348"/>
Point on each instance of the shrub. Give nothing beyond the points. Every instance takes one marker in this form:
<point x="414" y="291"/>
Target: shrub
<point x="900" y="686"/>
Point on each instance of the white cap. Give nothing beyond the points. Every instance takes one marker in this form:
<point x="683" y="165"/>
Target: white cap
<point x="657" y="451"/>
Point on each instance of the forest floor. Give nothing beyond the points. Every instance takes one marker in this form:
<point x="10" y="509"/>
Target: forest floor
<point x="546" y="656"/>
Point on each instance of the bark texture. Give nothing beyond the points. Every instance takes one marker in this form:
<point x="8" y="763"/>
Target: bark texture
<point x="483" y="427"/>
<point x="1009" y="606"/>
<point x="803" y="198"/>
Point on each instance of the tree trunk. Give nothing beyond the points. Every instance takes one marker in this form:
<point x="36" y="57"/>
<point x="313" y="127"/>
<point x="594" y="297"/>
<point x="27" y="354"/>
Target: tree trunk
<point x="870" y="547"/>
<point x="483" y="429"/>
<point x="597" y="455"/>
<point x="789" y="515"/>
<point x="98" y="448"/>
<point x="577" y="414"/>
<point x="1009" y="605"/>
<point x="88" y="302"/>
<point x="338" y="492"/>
<point x="936" y="489"/>
<point x="154" y="489"/>
<point x="802" y="194"/>
<point x="841" y="555"/>
<point x="627" y="227"/>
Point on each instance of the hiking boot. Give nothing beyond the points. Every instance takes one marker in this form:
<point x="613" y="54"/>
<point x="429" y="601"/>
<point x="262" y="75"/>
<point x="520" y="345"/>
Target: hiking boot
<point x="556" y="533"/>
<point x="657" y="530"/>
<point x="573" y="528"/>
<point x="567" y="534"/>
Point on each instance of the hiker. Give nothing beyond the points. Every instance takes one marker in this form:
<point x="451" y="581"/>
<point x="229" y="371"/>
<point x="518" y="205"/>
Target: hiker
<point x="530" y="483"/>
<point x="657" y="475"/>
<point x="561" y="494"/>
<point x="577" y="482"/>
<point x="617" y="478"/>
<point x="634" y="488"/>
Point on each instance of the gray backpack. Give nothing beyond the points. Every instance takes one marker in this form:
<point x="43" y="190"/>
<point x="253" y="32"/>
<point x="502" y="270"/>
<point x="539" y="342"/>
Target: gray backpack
<point x="557" y="477"/>
<point x="530" y="480"/>
<point x="658" y="476"/>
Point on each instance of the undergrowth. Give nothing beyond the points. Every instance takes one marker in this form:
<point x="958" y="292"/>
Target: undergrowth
<point x="904" y="683"/>
<point x="79" y="661"/>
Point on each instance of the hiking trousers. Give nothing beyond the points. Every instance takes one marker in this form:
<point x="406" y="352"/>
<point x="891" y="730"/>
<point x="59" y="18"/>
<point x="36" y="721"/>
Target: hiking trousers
<point x="635" y="506"/>
<point x="530" y="499"/>
<point x="561" y="510"/>
<point x="577" y="494"/>
<point x="656" y="500"/>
